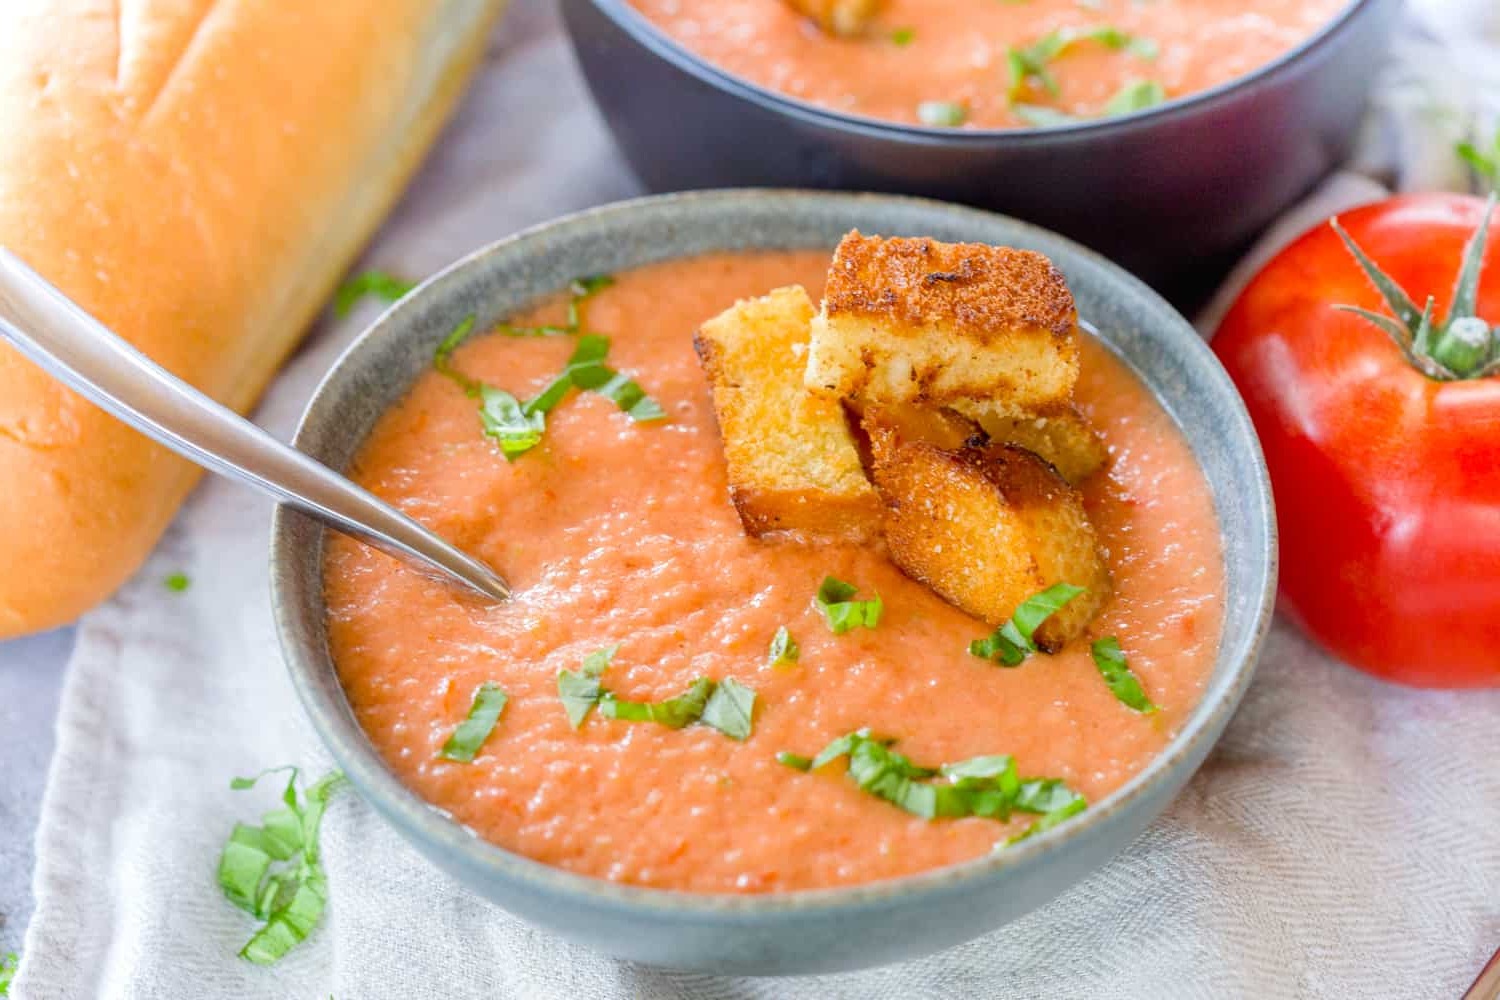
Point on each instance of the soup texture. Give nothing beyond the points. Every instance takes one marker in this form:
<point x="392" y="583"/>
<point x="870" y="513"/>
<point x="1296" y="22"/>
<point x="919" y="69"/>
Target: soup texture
<point x="617" y="532"/>
<point x="948" y="62"/>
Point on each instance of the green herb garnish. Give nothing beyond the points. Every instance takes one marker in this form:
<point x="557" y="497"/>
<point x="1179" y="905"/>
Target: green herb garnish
<point x="1049" y="820"/>
<point x="1012" y="642"/>
<point x="903" y="36"/>
<point x="8" y="964"/>
<point x="674" y="713"/>
<point x="784" y="649"/>
<point x="1110" y="660"/>
<point x="379" y="284"/>
<point x="842" y="613"/>
<point x="273" y="872"/>
<point x="177" y="582"/>
<point x="587" y="370"/>
<point x="580" y="690"/>
<point x="442" y="357"/>
<point x="1484" y="162"/>
<point x="1030" y="65"/>
<point x="489" y="702"/>
<point x="942" y="114"/>
<point x="730" y="709"/>
<point x="1137" y="95"/>
<point x="987" y="786"/>
<point x="508" y="423"/>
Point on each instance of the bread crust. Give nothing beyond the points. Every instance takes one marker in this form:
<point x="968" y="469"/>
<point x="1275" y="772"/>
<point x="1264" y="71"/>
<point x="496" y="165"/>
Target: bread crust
<point x="791" y="459"/>
<point x="838" y="17"/>
<point x="1061" y="436"/>
<point x="919" y="321"/>
<point x="986" y="528"/>
<point x="198" y="176"/>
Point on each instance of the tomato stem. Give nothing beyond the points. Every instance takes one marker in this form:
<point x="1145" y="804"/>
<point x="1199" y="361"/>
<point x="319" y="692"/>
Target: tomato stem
<point x="1461" y="347"/>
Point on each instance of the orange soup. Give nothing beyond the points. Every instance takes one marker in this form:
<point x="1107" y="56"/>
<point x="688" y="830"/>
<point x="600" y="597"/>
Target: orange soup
<point x="954" y="62"/>
<point x="618" y="533"/>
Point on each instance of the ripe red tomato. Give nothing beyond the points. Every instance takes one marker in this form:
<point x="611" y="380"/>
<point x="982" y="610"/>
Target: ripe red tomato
<point x="1387" y="480"/>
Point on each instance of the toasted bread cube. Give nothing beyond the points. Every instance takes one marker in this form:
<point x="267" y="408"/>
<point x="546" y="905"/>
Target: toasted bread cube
<point x="987" y="528"/>
<point x="838" y="17"/>
<point x="1061" y="436"/>
<point x="918" y="321"/>
<point x="793" y="464"/>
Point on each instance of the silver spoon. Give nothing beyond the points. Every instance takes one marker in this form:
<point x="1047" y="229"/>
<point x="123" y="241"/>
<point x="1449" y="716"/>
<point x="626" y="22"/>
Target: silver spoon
<point x="50" y="329"/>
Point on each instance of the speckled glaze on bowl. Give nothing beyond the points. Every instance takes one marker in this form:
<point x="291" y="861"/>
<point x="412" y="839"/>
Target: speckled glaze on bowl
<point x="811" y="931"/>
<point x="1156" y="191"/>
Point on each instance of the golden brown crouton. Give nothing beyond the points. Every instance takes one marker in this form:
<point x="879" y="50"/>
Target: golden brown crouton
<point x="838" y="17"/>
<point x="792" y="461"/>
<point x="1059" y="435"/>
<point x="918" y="321"/>
<point x="987" y="528"/>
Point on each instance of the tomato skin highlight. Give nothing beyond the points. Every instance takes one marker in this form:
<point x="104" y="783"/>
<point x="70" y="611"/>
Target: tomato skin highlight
<point x="1387" y="483"/>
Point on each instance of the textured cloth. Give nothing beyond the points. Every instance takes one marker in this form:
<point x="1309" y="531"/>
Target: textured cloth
<point x="1343" y="840"/>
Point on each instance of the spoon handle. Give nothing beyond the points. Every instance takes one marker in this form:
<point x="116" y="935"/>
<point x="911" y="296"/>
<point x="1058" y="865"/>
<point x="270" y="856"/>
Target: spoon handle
<point x="50" y="329"/>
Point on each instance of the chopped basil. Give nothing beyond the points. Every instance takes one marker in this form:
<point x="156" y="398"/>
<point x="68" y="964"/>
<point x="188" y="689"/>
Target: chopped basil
<point x="843" y="614"/>
<point x="1031" y="64"/>
<point x="728" y="706"/>
<point x="903" y="36"/>
<point x="8" y="963"/>
<point x="489" y="702"/>
<point x="988" y="787"/>
<point x="379" y="284"/>
<point x="942" y="114"/>
<point x="1110" y="660"/>
<point x="587" y="370"/>
<point x="177" y="582"/>
<point x="730" y="709"/>
<point x="583" y="289"/>
<point x="1049" y="820"/>
<point x="508" y="423"/>
<point x="784" y="649"/>
<point x="580" y="690"/>
<point x="1012" y="642"/>
<point x="1042" y="116"/>
<point x="1137" y="95"/>
<point x="442" y="356"/>
<point x="273" y="871"/>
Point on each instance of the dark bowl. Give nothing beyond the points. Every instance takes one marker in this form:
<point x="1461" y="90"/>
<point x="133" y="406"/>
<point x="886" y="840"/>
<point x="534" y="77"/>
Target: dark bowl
<point x="1157" y="191"/>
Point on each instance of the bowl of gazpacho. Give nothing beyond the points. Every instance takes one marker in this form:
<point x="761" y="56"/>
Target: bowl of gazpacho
<point x="880" y="567"/>
<point x="1155" y="132"/>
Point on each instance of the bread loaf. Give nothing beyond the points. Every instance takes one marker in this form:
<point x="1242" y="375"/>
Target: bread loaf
<point x="197" y="174"/>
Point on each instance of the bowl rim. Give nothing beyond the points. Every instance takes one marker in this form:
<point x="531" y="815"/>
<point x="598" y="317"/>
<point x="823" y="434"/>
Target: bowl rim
<point x="640" y="28"/>
<point x="430" y="828"/>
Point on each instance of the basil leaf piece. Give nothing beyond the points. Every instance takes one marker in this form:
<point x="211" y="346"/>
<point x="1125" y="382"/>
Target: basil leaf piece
<point x="442" y="355"/>
<point x="843" y="614"/>
<point x="1137" y="95"/>
<point x="987" y="787"/>
<point x="581" y="690"/>
<point x="507" y="422"/>
<point x="1110" y="660"/>
<point x="794" y="760"/>
<point x="177" y="582"/>
<point x="587" y="370"/>
<point x="8" y="965"/>
<point x="784" y="649"/>
<point x="731" y="709"/>
<point x="903" y="36"/>
<point x="674" y="713"/>
<point x="1049" y="820"/>
<point x="484" y="713"/>
<point x="942" y="114"/>
<point x="289" y="898"/>
<point x="583" y="289"/>
<point x="379" y="284"/>
<point x="1030" y="63"/>
<point x="1012" y="642"/>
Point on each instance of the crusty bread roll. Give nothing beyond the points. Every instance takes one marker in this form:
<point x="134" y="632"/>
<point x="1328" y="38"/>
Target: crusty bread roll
<point x="197" y="174"/>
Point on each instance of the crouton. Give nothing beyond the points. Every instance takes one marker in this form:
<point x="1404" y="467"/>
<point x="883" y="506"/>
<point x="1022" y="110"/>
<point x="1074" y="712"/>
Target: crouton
<point x="986" y="528"/>
<point x="918" y="321"/>
<point x="838" y="17"/>
<point x="792" y="461"/>
<point x="1061" y="436"/>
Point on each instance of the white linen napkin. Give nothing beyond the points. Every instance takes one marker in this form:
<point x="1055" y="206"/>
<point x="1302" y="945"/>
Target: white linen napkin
<point x="1343" y="841"/>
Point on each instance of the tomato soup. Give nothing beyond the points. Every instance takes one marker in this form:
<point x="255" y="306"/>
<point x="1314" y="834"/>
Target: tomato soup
<point x="952" y="55"/>
<point x="614" y="532"/>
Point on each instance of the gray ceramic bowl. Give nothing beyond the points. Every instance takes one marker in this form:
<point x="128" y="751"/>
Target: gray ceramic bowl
<point x="1157" y="191"/>
<point x="812" y="931"/>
